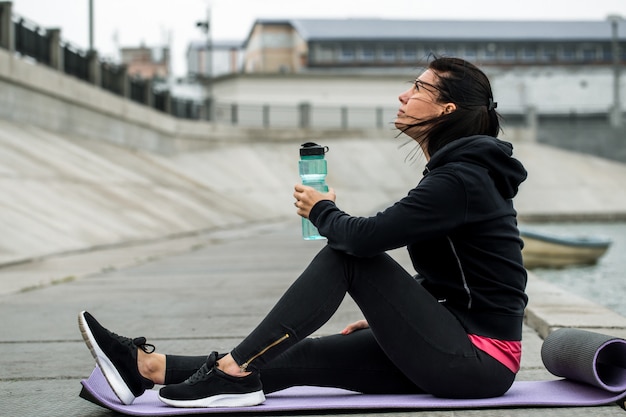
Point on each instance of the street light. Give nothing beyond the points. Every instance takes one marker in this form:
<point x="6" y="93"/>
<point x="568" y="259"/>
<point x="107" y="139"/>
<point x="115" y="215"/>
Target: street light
<point x="205" y="26"/>
<point x="91" y="43"/>
<point x="616" y="110"/>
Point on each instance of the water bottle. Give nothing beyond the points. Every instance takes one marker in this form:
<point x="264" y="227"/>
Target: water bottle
<point x="312" y="168"/>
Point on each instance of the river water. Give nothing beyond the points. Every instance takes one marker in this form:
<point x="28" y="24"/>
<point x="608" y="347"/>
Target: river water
<point x="603" y="283"/>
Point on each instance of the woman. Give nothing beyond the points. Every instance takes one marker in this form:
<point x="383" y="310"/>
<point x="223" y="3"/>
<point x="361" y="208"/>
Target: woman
<point x="453" y="330"/>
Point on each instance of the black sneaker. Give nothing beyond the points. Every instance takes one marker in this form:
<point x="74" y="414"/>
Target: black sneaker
<point x="210" y="387"/>
<point x="117" y="358"/>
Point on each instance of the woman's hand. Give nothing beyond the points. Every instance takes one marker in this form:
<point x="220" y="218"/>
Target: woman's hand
<point x="306" y="197"/>
<point x="357" y="325"/>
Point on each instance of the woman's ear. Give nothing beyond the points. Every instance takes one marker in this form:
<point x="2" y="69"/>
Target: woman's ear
<point x="449" y="108"/>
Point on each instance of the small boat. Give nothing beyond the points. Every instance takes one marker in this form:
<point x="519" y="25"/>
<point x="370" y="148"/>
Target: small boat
<point x="543" y="250"/>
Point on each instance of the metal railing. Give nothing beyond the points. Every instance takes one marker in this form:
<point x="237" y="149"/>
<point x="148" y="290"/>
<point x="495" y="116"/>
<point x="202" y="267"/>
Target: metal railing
<point x="32" y="41"/>
<point x="75" y="62"/>
<point x="28" y="39"/>
<point x="303" y="115"/>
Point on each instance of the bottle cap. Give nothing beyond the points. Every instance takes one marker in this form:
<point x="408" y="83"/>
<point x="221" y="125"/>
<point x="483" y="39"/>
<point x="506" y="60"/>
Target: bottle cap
<point x="310" y="148"/>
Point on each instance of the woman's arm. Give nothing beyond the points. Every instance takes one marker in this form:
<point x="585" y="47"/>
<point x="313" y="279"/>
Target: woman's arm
<point x="430" y="210"/>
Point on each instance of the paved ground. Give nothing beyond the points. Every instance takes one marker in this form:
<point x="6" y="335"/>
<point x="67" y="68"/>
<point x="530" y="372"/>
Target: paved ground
<point x="204" y="293"/>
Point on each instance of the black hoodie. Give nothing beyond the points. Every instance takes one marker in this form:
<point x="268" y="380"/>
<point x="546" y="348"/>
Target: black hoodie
<point x="460" y="229"/>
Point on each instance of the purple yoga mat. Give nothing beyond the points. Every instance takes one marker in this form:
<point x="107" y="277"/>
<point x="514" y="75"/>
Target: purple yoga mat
<point x="523" y="394"/>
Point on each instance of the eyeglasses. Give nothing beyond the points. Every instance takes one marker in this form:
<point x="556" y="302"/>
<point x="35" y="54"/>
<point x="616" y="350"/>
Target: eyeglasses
<point x="426" y="86"/>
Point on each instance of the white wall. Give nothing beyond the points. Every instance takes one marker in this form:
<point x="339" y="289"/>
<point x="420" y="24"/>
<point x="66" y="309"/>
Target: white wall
<point x="555" y="90"/>
<point x="354" y="90"/>
<point x="548" y="89"/>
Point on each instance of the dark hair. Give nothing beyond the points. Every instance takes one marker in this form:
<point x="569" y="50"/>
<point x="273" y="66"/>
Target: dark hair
<point x="465" y="85"/>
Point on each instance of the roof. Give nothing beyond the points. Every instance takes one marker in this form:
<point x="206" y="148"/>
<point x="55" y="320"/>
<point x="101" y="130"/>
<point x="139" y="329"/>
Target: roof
<point x="215" y="44"/>
<point x="483" y="30"/>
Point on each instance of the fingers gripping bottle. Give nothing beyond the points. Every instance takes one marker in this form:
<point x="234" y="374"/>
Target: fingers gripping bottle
<point x="312" y="168"/>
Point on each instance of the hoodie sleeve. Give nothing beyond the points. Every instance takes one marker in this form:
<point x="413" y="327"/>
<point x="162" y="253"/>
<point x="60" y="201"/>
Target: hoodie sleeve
<point x="432" y="209"/>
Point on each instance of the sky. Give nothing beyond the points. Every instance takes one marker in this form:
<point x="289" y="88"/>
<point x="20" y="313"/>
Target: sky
<point x="155" y="23"/>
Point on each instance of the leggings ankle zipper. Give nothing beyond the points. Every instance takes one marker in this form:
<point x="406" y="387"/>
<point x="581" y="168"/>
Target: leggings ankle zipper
<point x="245" y="365"/>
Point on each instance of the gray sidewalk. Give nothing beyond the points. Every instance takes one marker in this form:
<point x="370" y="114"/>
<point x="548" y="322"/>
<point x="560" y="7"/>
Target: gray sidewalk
<point x="193" y="295"/>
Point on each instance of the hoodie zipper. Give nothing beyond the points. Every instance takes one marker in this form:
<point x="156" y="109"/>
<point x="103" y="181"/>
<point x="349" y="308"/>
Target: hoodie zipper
<point x="245" y="365"/>
<point x="465" y="286"/>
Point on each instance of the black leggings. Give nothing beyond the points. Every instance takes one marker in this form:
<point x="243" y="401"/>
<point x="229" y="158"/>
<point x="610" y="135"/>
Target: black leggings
<point x="414" y="344"/>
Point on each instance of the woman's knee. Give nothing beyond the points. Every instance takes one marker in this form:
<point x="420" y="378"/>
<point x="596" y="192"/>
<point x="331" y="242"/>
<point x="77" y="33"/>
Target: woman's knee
<point x="327" y="252"/>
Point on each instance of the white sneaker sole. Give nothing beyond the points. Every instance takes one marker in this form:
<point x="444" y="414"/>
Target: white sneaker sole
<point x="222" y="400"/>
<point x="109" y="371"/>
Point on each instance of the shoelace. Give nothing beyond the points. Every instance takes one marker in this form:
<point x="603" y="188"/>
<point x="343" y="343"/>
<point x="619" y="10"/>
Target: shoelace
<point x="139" y="342"/>
<point x="205" y="370"/>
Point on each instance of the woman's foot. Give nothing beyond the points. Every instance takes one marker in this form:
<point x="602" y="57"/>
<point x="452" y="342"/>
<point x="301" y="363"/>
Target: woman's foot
<point x="117" y="358"/>
<point x="211" y="387"/>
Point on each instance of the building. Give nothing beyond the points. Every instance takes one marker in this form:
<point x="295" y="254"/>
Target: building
<point x="543" y="67"/>
<point x="300" y="45"/>
<point x="226" y="57"/>
<point x="145" y="62"/>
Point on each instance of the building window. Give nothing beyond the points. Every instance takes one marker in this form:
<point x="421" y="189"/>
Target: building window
<point x="491" y="52"/>
<point x="409" y="53"/>
<point x="509" y="53"/>
<point x="548" y="54"/>
<point x="529" y="54"/>
<point x="448" y="50"/>
<point x="568" y="53"/>
<point x="589" y="54"/>
<point x="346" y="54"/>
<point x="389" y="54"/>
<point x="367" y="54"/>
<point x="277" y="40"/>
<point x="470" y="53"/>
<point x="324" y="53"/>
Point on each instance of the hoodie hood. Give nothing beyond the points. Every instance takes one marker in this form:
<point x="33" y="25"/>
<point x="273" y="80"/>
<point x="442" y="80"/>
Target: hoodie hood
<point x="490" y="153"/>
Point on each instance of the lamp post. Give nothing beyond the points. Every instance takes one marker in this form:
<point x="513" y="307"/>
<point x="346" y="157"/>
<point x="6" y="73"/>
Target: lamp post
<point x="205" y="26"/>
<point x="91" y="46"/>
<point x="616" y="110"/>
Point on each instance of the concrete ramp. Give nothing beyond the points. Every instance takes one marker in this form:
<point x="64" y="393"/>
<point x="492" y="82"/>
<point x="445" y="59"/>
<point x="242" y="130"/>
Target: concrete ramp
<point x="564" y="185"/>
<point x="61" y="193"/>
<point x="64" y="194"/>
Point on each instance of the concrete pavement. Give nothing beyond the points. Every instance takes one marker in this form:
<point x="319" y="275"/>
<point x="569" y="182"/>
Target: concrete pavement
<point x="192" y="295"/>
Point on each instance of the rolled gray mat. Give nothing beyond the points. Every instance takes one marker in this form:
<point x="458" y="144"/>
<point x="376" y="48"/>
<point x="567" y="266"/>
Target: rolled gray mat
<point x="589" y="357"/>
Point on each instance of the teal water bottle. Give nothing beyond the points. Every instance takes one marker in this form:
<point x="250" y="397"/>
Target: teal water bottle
<point x="312" y="168"/>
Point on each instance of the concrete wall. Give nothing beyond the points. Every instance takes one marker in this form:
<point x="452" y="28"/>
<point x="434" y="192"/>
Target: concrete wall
<point x="34" y="94"/>
<point x="554" y="90"/>
<point x="37" y="95"/>
<point x="588" y="134"/>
